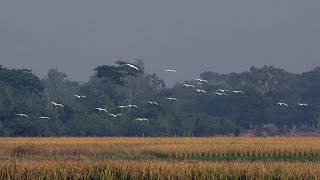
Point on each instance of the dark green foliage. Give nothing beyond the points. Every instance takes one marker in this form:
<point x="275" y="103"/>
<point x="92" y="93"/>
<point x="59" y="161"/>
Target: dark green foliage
<point x="117" y="74"/>
<point x="194" y="114"/>
<point x="20" y="79"/>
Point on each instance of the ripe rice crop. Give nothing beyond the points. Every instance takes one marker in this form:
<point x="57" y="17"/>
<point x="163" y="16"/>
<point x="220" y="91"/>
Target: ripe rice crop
<point x="162" y="148"/>
<point x="160" y="158"/>
<point x="156" y="170"/>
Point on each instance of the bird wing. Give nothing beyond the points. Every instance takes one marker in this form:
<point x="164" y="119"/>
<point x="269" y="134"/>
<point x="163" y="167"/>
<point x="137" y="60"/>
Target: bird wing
<point x="23" y="115"/>
<point x="172" y="99"/>
<point x="132" y="66"/>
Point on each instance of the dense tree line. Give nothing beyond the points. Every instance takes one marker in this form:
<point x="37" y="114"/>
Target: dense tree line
<point x="194" y="114"/>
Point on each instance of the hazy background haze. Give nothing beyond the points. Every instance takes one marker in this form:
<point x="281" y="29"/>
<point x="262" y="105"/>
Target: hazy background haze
<point x="186" y="35"/>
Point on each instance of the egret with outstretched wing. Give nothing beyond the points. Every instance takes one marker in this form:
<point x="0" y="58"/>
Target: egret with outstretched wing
<point x="201" y="80"/>
<point x="172" y="99"/>
<point x="152" y="102"/>
<point x="223" y="90"/>
<point x="132" y="66"/>
<point x="122" y="107"/>
<point x="142" y="119"/>
<point x="189" y="85"/>
<point x="201" y="90"/>
<point x="56" y="104"/>
<point x="115" y="115"/>
<point x="170" y="70"/>
<point x="23" y="115"/>
<point x="220" y="94"/>
<point x="44" y="117"/>
<point x="282" y="104"/>
<point x="237" y="92"/>
<point x="101" y="109"/>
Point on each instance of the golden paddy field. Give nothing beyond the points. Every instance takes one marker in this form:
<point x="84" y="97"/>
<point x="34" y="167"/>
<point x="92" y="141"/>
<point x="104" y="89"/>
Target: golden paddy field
<point x="160" y="158"/>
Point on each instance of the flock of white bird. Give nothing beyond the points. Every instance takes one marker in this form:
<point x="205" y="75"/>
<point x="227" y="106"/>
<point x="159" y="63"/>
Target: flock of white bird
<point x="220" y="92"/>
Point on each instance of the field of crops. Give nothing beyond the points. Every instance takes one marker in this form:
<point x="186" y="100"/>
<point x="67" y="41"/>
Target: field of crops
<point x="160" y="158"/>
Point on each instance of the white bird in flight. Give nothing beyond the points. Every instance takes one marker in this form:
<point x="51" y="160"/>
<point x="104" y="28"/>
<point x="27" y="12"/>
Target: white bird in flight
<point x="172" y="99"/>
<point x="142" y="119"/>
<point x="23" y="115"/>
<point x="123" y="107"/>
<point x="152" y="102"/>
<point x="223" y="90"/>
<point x="114" y="115"/>
<point x="201" y="90"/>
<point x="170" y="70"/>
<point x="56" y="104"/>
<point x="44" y="117"/>
<point x="79" y="96"/>
<point x="189" y="85"/>
<point x="220" y="94"/>
<point x="303" y="104"/>
<point x="101" y="109"/>
<point x="132" y="105"/>
<point x="132" y="66"/>
<point x="201" y="80"/>
<point x="282" y="104"/>
<point x="241" y="92"/>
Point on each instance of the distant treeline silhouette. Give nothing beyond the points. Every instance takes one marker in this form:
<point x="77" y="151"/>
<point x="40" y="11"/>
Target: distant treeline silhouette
<point x="214" y="104"/>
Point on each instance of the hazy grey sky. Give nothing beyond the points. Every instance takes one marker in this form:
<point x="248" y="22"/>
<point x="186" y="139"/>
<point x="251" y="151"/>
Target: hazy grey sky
<point x="187" y="35"/>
